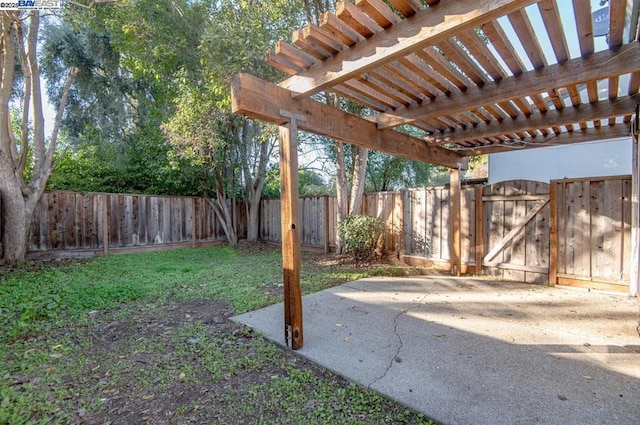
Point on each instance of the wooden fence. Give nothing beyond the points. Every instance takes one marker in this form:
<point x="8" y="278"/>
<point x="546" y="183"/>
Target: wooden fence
<point x="593" y="235"/>
<point x="318" y="216"/>
<point x="506" y="229"/>
<point x="575" y="232"/>
<point x="73" y="221"/>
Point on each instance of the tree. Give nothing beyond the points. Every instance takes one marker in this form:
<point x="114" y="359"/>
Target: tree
<point x="351" y="164"/>
<point x="234" y="150"/>
<point x="131" y="57"/>
<point x="26" y="158"/>
<point x="229" y="149"/>
<point x="310" y="183"/>
<point x="387" y="172"/>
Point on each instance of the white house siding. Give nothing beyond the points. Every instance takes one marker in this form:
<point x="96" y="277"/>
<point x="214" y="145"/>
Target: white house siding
<point x="595" y="159"/>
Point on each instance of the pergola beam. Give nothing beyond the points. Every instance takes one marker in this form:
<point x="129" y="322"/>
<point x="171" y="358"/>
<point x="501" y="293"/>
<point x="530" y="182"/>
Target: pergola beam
<point x="427" y="27"/>
<point x="570" y="137"/>
<point x="258" y="99"/>
<point x="598" y="66"/>
<point x="602" y="110"/>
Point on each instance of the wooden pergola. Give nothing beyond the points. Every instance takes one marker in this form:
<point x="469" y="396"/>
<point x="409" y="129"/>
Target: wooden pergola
<point x="467" y="77"/>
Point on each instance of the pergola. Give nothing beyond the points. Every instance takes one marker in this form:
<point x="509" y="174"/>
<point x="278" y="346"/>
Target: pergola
<point x="463" y="77"/>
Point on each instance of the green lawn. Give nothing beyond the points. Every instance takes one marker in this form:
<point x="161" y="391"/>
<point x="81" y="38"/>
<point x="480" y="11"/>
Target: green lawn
<point x="144" y="338"/>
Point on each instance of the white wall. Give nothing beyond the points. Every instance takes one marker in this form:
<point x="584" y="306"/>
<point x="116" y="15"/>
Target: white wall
<point x="595" y="159"/>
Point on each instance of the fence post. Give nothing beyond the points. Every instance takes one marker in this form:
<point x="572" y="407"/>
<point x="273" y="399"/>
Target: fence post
<point x="455" y="203"/>
<point x="634" y="272"/>
<point x="553" y="233"/>
<point x="407" y="223"/>
<point x="479" y="218"/>
<point x="105" y="223"/>
<point x="193" y="221"/>
<point x="326" y="224"/>
<point x="398" y="214"/>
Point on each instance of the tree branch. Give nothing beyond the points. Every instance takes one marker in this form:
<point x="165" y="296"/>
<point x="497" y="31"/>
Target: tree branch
<point x="38" y="115"/>
<point x="7" y="147"/>
<point x="71" y="76"/>
<point x="24" y="125"/>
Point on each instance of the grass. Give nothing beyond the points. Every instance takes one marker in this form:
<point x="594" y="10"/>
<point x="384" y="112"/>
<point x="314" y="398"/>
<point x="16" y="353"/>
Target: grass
<point x="128" y="339"/>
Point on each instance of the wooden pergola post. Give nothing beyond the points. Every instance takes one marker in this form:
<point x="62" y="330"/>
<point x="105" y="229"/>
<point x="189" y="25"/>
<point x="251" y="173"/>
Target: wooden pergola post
<point x="290" y="220"/>
<point x="454" y="215"/>
<point x="634" y="274"/>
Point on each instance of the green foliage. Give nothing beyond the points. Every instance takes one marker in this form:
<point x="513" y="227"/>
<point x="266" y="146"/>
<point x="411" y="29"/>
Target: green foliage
<point x="359" y="235"/>
<point x="387" y="172"/>
<point x="228" y="49"/>
<point x="150" y="109"/>
<point x="132" y="55"/>
<point x="310" y="183"/>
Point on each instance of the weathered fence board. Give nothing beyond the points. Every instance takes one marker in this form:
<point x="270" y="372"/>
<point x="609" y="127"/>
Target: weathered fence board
<point x="315" y="222"/>
<point x="73" y="221"/>
<point x="388" y="207"/>
<point x="594" y="231"/>
<point x="427" y="224"/>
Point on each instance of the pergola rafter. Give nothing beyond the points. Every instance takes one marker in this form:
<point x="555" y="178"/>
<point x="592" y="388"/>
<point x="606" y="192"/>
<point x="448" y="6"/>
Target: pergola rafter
<point x="441" y="67"/>
<point x="426" y="27"/>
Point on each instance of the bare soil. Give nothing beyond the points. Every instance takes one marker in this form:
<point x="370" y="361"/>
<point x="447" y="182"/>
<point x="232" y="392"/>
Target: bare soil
<point x="184" y="362"/>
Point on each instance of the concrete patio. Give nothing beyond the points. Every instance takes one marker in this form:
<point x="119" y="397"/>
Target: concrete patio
<point x="477" y="351"/>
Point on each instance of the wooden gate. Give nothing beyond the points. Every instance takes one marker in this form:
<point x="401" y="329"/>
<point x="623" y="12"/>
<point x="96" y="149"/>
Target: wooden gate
<point x="591" y="232"/>
<point x="515" y="231"/>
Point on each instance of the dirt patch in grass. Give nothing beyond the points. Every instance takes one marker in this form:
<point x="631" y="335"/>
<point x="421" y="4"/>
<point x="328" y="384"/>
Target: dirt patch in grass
<point x="149" y="365"/>
<point x="40" y="265"/>
<point x="183" y="362"/>
<point x="178" y="359"/>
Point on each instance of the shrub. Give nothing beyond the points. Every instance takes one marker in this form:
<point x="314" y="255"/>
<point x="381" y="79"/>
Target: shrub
<point x="359" y="235"/>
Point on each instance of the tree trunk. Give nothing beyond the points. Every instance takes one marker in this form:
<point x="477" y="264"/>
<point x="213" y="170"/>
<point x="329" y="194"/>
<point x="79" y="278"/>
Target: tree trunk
<point x="19" y="196"/>
<point x="254" y="181"/>
<point x="358" y="179"/>
<point x="223" y="211"/>
<point x="16" y="221"/>
<point x="253" y="222"/>
<point x="341" y="182"/>
<point x="224" y="216"/>
<point x="253" y="218"/>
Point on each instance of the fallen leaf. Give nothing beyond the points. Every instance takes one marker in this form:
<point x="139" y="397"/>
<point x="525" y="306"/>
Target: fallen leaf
<point x="440" y="335"/>
<point x="561" y="397"/>
<point x="339" y="325"/>
<point x="587" y="377"/>
<point x="346" y="338"/>
<point x="148" y="397"/>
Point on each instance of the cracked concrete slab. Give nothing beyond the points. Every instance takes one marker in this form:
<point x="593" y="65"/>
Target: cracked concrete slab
<point x="476" y="351"/>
